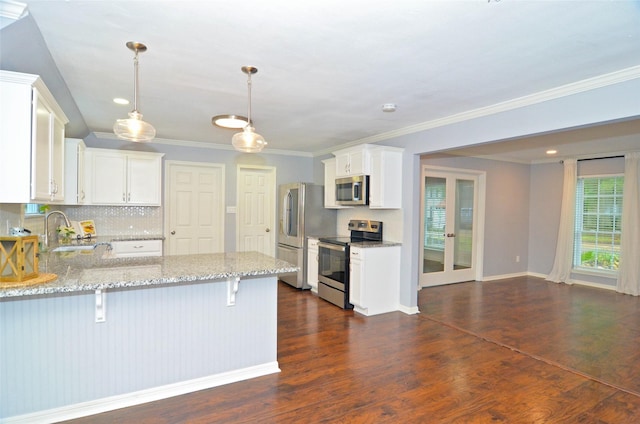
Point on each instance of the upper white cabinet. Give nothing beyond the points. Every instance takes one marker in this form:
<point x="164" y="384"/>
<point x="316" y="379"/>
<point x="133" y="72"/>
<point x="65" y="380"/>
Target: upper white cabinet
<point x="383" y="164"/>
<point x="74" y="175"/>
<point x="385" y="181"/>
<point x="353" y="161"/>
<point x="330" y="185"/>
<point x="31" y="141"/>
<point x="119" y="177"/>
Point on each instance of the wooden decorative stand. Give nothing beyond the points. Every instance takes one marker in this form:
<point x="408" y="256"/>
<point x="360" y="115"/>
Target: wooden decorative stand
<point x="18" y="258"/>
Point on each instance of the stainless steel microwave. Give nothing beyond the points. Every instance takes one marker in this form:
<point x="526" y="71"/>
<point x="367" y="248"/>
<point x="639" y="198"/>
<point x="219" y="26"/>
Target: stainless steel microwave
<point x="352" y="190"/>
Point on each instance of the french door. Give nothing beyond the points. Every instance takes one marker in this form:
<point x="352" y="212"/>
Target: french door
<point x="450" y="216"/>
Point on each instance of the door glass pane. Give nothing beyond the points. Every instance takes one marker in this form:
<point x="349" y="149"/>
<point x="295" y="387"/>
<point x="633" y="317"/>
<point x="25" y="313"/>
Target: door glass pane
<point x="463" y="241"/>
<point x="435" y="220"/>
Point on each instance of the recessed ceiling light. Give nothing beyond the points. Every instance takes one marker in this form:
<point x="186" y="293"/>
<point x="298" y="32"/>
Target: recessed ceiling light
<point x="229" y="121"/>
<point x="552" y="152"/>
<point x="120" y="101"/>
<point x="389" y="107"/>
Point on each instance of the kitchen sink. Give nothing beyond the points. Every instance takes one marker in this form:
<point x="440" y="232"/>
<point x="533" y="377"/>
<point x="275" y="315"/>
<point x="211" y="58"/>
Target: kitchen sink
<point x="74" y="247"/>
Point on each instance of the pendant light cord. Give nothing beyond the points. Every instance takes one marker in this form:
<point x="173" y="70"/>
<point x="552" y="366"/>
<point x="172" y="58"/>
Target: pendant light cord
<point x="135" y="82"/>
<point x="249" y="89"/>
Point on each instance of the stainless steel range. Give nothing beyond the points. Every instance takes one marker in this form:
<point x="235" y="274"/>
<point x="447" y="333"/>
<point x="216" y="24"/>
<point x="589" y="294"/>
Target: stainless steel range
<point x="333" y="260"/>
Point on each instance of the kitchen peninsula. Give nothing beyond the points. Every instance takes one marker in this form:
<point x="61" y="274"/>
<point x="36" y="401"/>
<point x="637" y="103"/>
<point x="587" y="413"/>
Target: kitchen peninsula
<point x="110" y="333"/>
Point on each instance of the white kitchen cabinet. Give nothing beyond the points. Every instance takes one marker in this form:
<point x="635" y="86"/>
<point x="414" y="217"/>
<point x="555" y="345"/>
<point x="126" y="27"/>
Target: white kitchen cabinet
<point x="74" y="175"/>
<point x="374" y="279"/>
<point x="31" y="141"/>
<point x="124" y="178"/>
<point x="312" y="264"/>
<point x="353" y="161"/>
<point x="135" y="248"/>
<point x="330" y="185"/>
<point x="385" y="181"/>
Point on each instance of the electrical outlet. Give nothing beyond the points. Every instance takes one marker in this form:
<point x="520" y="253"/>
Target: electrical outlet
<point x="518" y="258"/>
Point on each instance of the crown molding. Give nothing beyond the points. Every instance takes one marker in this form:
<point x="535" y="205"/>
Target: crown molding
<point x="202" y="145"/>
<point x="577" y="87"/>
<point x="11" y="11"/>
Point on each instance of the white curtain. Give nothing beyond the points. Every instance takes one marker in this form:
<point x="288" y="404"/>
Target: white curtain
<point x="563" y="262"/>
<point x="629" y="267"/>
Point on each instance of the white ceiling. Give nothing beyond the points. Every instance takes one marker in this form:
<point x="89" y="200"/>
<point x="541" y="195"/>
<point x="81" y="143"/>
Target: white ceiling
<point x="326" y="67"/>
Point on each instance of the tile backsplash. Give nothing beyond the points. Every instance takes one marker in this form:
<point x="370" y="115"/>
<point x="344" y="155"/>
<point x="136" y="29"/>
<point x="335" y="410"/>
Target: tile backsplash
<point x="109" y="220"/>
<point x="119" y="220"/>
<point x="10" y="216"/>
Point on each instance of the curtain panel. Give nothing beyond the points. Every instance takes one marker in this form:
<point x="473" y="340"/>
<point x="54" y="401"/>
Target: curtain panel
<point x="563" y="262"/>
<point x="629" y="266"/>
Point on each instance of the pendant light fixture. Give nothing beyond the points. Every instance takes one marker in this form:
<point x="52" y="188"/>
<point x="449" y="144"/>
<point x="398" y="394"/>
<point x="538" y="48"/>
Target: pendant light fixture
<point x="248" y="140"/>
<point x="134" y="128"/>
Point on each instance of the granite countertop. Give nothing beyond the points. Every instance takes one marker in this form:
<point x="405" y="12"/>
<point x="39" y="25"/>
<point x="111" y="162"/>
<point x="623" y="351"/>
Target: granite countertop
<point x="80" y="271"/>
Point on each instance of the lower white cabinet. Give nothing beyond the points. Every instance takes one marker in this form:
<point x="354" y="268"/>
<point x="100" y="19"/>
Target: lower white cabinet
<point x="312" y="264"/>
<point x="374" y="279"/>
<point x="135" y="248"/>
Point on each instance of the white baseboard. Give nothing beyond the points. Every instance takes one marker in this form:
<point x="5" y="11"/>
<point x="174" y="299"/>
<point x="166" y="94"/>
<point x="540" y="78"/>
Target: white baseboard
<point x="503" y="276"/>
<point x="143" y="396"/>
<point x="544" y="277"/>
<point x="409" y="310"/>
<point x="591" y="284"/>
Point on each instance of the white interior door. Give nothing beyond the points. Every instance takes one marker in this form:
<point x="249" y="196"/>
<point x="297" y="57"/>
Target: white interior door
<point x="450" y="217"/>
<point x="194" y="212"/>
<point x="256" y="209"/>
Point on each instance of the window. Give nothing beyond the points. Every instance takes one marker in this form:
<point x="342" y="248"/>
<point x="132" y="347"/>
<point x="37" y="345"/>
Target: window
<point x="33" y="209"/>
<point x="598" y="217"/>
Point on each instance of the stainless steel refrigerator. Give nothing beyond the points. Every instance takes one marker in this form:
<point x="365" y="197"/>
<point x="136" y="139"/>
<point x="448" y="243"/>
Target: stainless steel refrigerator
<point x="301" y="214"/>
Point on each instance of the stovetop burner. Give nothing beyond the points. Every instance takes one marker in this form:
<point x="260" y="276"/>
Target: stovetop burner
<point x="342" y="241"/>
<point x="362" y="231"/>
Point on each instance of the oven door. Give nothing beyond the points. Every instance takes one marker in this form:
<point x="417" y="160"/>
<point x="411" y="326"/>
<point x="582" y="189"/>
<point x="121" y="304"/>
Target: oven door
<point x="333" y="265"/>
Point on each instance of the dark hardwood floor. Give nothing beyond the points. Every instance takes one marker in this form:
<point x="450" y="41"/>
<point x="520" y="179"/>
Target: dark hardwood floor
<point x="514" y="351"/>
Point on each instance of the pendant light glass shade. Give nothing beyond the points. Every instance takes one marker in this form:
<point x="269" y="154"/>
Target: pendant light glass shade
<point x="134" y="128"/>
<point x="248" y="140"/>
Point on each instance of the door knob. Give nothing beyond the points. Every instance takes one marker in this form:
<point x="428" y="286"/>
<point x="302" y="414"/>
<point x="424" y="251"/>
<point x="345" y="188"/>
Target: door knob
<point x="267" y="230"/>
<point x="173" y="232"/>
<point x="451" y="235"/>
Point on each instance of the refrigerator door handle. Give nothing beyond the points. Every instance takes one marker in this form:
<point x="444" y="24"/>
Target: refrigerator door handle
<point x="286" y="212"/>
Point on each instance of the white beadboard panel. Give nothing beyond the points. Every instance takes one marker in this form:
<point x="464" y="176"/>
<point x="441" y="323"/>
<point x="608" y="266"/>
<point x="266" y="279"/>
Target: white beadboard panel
<point x="53" y="353"/>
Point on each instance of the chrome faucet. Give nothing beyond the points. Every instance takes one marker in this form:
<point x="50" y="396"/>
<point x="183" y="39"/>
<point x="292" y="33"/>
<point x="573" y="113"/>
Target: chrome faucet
<point x="46" y="224"/>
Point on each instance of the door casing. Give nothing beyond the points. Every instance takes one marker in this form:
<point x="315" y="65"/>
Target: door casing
<point x="478" y="222"/>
